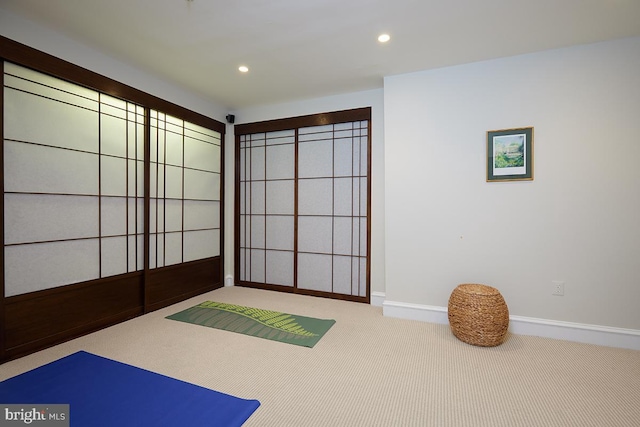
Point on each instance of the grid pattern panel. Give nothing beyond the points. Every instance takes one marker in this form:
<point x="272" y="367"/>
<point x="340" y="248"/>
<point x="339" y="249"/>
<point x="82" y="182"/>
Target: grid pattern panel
<point x="73" y="183"/>
<point x="185" y="164"/>
<point x="303" y="208"/>
<point x="332" y="215"/>
<point x="267" y="183"/>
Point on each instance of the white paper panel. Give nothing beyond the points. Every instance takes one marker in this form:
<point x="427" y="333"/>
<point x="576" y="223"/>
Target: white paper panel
<point x="243" y="165"/>
<point x="315" y="197"/>
<point x="136" y="214"/>
<point x="35" y="169"/>
<point x="359" y="276"/>
<point x="195" y="131"/>
<point x="344" y="126"/>
<point x="136" y="169"/>
<point x="113" y="135"/>
<point x="314" y="234"/>
<point x="356" y="161"/>
<point x="156" y="215"/>
<point x="279" y="268"/>
<point x="217" y="161"/>
<point x="58" y="124"/>
<point x="363" y="197"/>
<point x="48" y="86"/>
<point x="357" y="197"/>
<point x="159" y="250"/>
<point x="342" y="236"/>
<point x="156" y="248"/>
<point x="256" y="260"/>
<point x="280" y="197"/>
<point x="343" y="196"/>
<point x="359" y="238"/>
<point x="113" y="176"/>
<point x="244" y="270"/>
<point x="114" y="256"/>
<point x="315" y="132"/>
<point x="280" y="232"/>
<point x="173" y="248"/>
<point x="36" y="217"/>
<point x="256" y="164"/>
<point x="157" y="118"/>
<point x="174" y="124"/>
<point x="257" y="198"/>
<point x="113" y="106"/>
<point x="281" y="162"/>
<point x="201" y="214"/>
<point x="346" y="133"/>
<point x="173" y="215"/>
<point x="257" y="231"/>
<point x="343" y="159"/>
<point x="173" y="149"/>
<point x="257" y="140"/>
<point x="201" y="155"/>
<point x="314" y="272"/>
<point x="136" y="256"/>
<point x="243" y="227"/>
<point x="156" y="180"/>
<point x="363" y="156"/>
<point x="342" y="275"/>
<point x="281" y="137"/>
<point x="244" y="202"/>
<point x="315" y="159"/>
<point x="201" y="244"/>
<point x="173" y="177"/>
<point x="157" y="145"/>
<point x="113" y="216"/>
<point x="363" y="236"/>
<point x="201" y="185"/>
<point x="30" y="268"/>
<point x="136" y="137"/>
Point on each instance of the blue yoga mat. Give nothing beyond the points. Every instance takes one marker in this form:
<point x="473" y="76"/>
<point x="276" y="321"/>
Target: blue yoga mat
<point x="103" y="392"/>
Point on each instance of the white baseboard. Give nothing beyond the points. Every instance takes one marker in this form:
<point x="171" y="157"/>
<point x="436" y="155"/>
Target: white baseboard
<point x="228" y="280"/>
<point x="577" y="332"/>
<point x="377" y="298"/>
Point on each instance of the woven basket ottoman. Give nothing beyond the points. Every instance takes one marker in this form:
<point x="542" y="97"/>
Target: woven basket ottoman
<point x="478" y="315"/>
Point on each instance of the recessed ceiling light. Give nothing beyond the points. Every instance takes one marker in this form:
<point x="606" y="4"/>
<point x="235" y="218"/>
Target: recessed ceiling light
<point x="383" y="38"/>
<point x="243" y="69"/>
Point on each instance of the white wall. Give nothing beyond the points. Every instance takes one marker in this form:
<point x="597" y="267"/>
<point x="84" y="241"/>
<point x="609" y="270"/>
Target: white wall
<point x="33" y="35"/>
<point x="373" y="99"/>
<point x="435" y="221"/>
<point x="578" y="221"/>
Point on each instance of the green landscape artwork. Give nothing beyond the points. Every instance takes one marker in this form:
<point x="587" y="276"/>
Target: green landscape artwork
<point x="508" y="151"/>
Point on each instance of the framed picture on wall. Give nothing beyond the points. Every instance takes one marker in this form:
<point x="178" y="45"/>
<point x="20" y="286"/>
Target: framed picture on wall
<point x="510" y="155"/>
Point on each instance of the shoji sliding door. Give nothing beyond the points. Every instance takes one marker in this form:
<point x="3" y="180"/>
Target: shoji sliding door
<point x="111" y="204"/>
<point x="302" y="219"/>
<point x="185" y="191"/>
<point x="332" y="208"/>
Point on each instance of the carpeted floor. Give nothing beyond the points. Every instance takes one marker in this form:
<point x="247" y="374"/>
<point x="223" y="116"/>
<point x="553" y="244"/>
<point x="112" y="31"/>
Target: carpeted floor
<point x="369" y="370"/>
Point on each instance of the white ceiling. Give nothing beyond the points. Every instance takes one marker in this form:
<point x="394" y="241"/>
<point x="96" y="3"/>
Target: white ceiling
<point x="299" y="49"/>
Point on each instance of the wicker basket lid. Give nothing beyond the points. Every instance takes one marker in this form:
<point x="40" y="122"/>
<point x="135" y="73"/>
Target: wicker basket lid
<point x="478" y="289"/>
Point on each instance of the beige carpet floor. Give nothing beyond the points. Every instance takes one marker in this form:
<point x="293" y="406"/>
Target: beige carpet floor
<point x="369" y="370"/>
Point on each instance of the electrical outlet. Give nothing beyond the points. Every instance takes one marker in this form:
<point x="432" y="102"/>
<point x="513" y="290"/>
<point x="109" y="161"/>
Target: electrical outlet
<point x="558" y="288"/>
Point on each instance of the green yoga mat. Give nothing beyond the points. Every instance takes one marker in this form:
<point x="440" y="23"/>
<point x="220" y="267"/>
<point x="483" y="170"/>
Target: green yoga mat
<point x="271" y="325"/>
